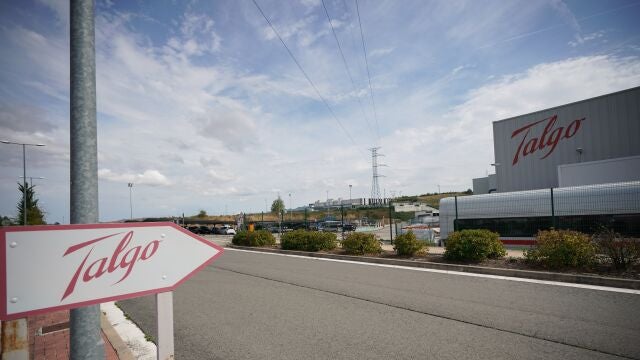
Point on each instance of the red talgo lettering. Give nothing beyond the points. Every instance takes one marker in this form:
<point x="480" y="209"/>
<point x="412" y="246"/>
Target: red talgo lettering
<point x="549" y="138"/>
<point x="122" y="258"/>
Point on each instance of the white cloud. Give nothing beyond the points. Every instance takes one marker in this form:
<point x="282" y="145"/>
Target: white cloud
<point x="587" y="38"/>
<point x="148" y="177"/>
<point x="380" y="52"/>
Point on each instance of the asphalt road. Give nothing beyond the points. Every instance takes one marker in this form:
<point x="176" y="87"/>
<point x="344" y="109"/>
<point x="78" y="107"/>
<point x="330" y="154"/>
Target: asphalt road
<point x="262" y="306"/>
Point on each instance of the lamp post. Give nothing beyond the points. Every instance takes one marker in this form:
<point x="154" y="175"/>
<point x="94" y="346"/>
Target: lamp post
<point x="24" y="176"/>
<point x="350" y="186"/>
<point x="290" y="209"/>
<point x="130" y="201"/>
<point x="327" y="203"/>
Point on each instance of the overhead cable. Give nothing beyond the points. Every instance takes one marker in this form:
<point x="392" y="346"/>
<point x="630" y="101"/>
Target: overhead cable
<point x="346" y="66"/>
<point x="306" y="76"/>
<point x="364" y="49"/>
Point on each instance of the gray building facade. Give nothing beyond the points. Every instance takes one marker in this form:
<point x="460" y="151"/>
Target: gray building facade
<point x="529" y="148"/>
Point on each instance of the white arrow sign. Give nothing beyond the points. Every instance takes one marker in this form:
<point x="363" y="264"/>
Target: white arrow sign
<point x="48" y="268"/>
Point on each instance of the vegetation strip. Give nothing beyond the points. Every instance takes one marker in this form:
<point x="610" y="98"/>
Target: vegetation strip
<point x="527" y="274"/>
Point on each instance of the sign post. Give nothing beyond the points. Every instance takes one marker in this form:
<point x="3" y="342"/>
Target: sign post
<point x="164" y="309"/>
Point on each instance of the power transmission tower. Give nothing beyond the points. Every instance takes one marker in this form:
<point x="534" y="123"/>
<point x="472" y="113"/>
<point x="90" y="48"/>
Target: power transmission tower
<point x="375" y="186"/>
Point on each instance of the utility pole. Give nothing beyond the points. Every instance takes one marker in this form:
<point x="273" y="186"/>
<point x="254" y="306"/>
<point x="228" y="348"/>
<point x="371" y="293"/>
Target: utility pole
<point x="85" y="335"/>
<point x="350" y="203"/>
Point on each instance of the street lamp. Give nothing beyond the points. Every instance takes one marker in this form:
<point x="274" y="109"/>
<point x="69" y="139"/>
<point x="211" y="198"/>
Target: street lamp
<point x="290" y="208"/>
<point x="130" y="201"/>
<point x="24" y="176"/>
<point x="350" y="186"/>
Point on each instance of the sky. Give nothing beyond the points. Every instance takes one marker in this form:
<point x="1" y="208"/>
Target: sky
<point x="202" y="107"/>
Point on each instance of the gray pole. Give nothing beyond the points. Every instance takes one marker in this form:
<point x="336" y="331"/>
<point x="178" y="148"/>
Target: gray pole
<point x="24" y="186"/>
<point x="390" y="224"/>
<point x="86" y="341"/>
<point x="130" y="201"/>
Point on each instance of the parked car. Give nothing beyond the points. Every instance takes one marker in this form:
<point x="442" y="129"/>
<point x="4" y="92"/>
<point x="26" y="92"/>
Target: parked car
<point x="203" y="230"/>
<point x="228" y="231"/>
<point x="193" y="229"/>
<point x="349" y="227"/>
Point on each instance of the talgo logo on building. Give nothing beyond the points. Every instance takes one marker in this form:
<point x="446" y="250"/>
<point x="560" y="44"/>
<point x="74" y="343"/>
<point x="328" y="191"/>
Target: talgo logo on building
<point x="549" y="138"/>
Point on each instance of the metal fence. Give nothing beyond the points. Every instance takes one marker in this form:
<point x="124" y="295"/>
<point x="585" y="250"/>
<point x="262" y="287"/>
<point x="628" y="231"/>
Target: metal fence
<point x="522" y="214"/>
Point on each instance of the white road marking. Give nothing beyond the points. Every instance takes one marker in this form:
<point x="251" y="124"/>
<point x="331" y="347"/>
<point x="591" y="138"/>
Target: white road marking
<point x="497" y="277"/>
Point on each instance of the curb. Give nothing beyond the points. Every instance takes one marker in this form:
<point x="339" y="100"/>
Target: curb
<point x="122" y="350"/>
<point x="526" y="274"/>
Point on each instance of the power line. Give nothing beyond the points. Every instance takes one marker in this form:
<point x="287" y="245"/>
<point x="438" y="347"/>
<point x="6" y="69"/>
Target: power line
<point x="306" y="76"/>
<point x="346" y="66"/>
<point x="364" y="49"/>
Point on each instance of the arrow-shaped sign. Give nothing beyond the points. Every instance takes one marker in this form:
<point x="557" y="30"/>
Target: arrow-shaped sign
<point x="48" y="268"/>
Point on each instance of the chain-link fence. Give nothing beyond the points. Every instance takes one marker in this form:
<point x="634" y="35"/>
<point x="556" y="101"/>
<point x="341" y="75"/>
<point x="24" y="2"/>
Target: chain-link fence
<point x="522" y="214"/>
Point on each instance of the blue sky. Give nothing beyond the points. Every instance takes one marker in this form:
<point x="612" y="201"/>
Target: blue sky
<point x="200" y="105"/>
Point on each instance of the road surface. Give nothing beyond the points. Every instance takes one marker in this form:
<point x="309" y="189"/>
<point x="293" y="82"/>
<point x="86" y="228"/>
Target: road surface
<point x="262" y="306"/>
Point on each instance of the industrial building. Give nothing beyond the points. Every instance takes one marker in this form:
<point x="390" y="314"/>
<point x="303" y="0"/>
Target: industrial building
<point x="587" y="151"/>
<point x="588" y="142"/>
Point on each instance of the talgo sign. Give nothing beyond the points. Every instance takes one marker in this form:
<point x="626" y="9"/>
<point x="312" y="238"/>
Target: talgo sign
<point x="47" y="268"/>
<point x="545" y="142"/>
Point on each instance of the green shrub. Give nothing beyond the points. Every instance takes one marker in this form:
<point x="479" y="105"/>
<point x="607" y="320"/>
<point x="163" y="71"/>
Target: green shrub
<point x="361" y="243"/>
<point x="408" y="245"/>
<point x="308" y="240"/>
<point x="562" y="248"/>
<point x="473" y="245"/>
<point x="622" y="252"/>
<point x="253" y="238"/>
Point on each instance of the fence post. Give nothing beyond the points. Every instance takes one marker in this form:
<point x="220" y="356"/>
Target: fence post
<point x="342" y="219"/>
<point x="553" y="211"/>
<point x="455" y="222"/>
<point x="390" y="224"/>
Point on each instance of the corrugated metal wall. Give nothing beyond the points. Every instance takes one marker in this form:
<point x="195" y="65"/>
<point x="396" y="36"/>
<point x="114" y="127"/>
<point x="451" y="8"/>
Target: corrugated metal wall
<point x="610" y="129"/>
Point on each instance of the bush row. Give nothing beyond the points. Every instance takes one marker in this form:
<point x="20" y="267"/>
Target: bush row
<point x="553" y="249"/>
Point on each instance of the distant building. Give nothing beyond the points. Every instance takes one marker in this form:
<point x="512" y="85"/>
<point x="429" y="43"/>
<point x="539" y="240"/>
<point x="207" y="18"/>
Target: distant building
<point x="413" y="207"/>
<point x="336" y="203"/>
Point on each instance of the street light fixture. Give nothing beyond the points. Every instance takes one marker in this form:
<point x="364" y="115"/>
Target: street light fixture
<point x="33" y="177"/>
<point x="24" y="176"/>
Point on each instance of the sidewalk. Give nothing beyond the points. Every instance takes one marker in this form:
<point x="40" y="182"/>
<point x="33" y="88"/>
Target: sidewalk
<point x="49" y="337"/>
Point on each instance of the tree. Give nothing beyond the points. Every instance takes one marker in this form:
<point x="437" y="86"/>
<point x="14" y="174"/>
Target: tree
<point x="277" y="206"/>
<point x="35" y="216"/>
<point x="202" y="214"/>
